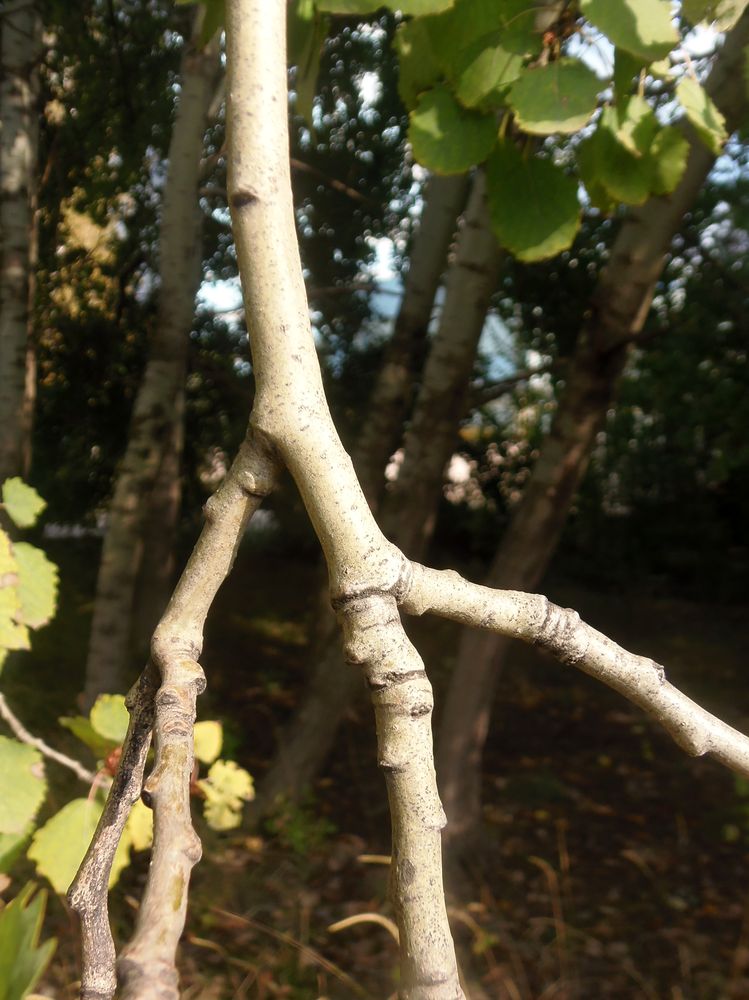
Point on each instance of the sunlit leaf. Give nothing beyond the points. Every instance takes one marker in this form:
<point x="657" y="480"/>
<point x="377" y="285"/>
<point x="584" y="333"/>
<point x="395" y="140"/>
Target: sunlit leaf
<point x="708" y="122"/>
<point x="37" y="585"/>
<point x="139" y="826"/>
<point x="22" y="503"/>
<point x="208" y="737"/>
<point x="226" y="788"/>
<point x="723" y="14"/>
<point x="58" y="847"/>
<point x="490" y="66"/>
<point x="446" y="137"/>
<point x="110" y="718"/>
<point x="560" y="97"/>
<point x="643" y="27"/>
<point x="533" y="204"/>
<point x="22" y="785"/>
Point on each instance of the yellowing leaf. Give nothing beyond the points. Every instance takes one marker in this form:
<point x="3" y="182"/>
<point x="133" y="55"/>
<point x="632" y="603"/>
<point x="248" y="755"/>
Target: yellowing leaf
<point x="208" y="737"/>
<point x="22" y="503"/>
<point x="22" y="785"/>
<point x="58" y="847"/>
<point x="644" y="28"/>
<point x="139" y="826"/>
<point x="226" y="788"/>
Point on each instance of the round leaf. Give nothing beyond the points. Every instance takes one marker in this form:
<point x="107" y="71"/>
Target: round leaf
<point x="22" y="785"/>
<point x="446" y="137"/>
<point x="22" y="503"/>
<point x="37" y="585"/>
<point x="489" y="67"/>
<point x="533" y="204"/>
<point x="560" y="97"/>
<point x="110" y="718"/>
<point x="643" y="27"/>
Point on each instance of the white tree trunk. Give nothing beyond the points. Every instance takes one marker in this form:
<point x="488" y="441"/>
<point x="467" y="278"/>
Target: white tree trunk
<point x="158" y="402"/>
<point x="20" y="48"/>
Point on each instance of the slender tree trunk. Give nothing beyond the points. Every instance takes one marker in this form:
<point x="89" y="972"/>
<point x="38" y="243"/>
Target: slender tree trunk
<point x="471" y="280"/>
<point x="159" y="535"/>
<point x="390" y="403"/>
<point x="158" y="405"/>
<point x="411" y="508"/>
<point x="20" y="48"/>
<point x="618" y="311"/>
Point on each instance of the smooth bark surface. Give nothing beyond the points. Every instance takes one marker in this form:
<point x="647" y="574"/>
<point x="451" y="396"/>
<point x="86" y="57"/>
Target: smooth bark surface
<point x="154" y="433"/>
<point x="366" y="572"/>
<point x="618" y="311"/>
<point x="410" y="510"/>
<point x="20" y="49"/>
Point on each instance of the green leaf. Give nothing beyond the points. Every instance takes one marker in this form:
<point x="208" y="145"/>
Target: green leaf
<point x="22" y="503"/>
<point x="22" y="785"/>
<point x="490" y="67"/>
<point x="110" y="718"/>
<point x="603" y="161"/>
<point x="213" y="20"/>
<point x="307" y="31"/>
<point x="208" y="737"/>
<point x="533" y="204"/>
<point x="420" y="8"/>
<point x="458" y="35"/>
<point x="349" y="6"/>
<point x="37" y="585"/>
<point x="418" y="66"/>
<point x="669" y="153"/>
<point x="634" y="124"/>
<point x="446" y="137"/>
<point x="642" y="27"/>
<point x="626" y="68"/>
<point x="708" y="122"/>
<point x="12" y="847"/>
<point x="22" y="959"/>
<point x="82" y="729"/>
<point x="58" y="847"/>
<point x="723" y="14"/>
<point x="558" y="98"/>
<point x="13" y="634"/>
<point x="226" y="788"/>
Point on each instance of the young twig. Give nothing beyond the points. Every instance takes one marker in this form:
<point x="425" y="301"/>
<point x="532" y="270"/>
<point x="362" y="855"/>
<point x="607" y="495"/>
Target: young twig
<point x="536" y="620"/>
<point x="21" y="733"/>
